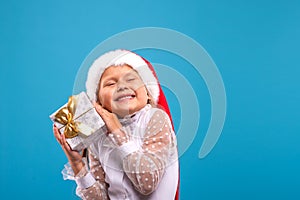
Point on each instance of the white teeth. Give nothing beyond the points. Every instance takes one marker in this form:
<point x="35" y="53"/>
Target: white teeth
<point x="126" y="97"/>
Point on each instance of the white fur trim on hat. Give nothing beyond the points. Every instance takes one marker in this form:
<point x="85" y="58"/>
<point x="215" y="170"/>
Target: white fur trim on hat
<point x="119" y="57"/>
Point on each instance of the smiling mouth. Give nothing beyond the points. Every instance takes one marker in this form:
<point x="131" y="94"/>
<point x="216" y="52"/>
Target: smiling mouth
<point x="125" y="97"/>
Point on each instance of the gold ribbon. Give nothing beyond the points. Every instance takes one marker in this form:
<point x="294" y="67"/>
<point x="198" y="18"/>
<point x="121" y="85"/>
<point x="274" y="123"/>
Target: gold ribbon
<point x="65" y="116"/>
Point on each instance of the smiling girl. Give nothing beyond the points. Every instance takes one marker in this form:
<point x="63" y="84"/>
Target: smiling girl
<point x="137" y="158"/>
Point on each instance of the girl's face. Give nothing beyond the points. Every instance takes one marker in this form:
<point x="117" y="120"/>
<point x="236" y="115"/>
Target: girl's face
<point x="122" y="91"/>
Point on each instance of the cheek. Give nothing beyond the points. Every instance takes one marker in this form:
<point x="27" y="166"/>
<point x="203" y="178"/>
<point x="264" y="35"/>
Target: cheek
<point x="136" y="85"/>
<point x="142" y="93"/>
<point x="104" y="97"/>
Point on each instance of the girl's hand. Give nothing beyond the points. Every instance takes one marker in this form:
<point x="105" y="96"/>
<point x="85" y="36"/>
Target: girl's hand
<point x="74" y="157"/>
<point x="113" y="125"/>
<point x="111" y="120"/>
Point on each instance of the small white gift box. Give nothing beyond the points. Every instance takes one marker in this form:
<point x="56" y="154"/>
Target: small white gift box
<point x="79" y="121"/>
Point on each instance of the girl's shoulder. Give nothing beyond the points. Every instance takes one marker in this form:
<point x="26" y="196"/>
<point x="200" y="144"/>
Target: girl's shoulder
<point x="155" y="110"/>
<point x="154" y="113"/>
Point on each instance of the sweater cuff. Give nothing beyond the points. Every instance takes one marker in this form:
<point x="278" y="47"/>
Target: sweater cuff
<point x="86" y="181"/>
<point x="127" y="148"/>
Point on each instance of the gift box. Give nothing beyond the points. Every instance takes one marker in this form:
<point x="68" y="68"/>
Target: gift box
<point x="79" y="122"/>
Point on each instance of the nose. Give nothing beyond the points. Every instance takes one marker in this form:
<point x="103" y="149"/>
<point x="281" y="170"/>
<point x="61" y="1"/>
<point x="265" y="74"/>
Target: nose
<point x="121" y="86"/>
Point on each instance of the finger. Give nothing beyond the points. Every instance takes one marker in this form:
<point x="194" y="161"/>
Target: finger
<point x="95" y="103"/>
<point x="57" y="134"/>
<point x="100" y="108"/>
<point x="97" y="106"/>
<point x="101" y="111"/>
<point x="64" y="143"/>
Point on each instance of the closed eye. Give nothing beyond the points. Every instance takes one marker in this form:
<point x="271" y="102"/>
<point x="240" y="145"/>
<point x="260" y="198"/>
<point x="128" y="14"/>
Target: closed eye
<point x="130" y="79"/>
<point x="109" y="83"/>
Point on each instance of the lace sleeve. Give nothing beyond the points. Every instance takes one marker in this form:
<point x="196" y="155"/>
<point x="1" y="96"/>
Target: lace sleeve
<point x="146" y="166"/>
<point x="98" y="190"/>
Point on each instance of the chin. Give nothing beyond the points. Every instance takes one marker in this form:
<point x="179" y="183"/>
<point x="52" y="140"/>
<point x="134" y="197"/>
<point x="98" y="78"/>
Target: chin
<point x="127" y="109"/>
<point x="123" y="112"/>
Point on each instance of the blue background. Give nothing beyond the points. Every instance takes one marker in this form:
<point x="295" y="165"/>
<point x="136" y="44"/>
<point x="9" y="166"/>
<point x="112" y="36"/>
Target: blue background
<point x="255" y="45"/>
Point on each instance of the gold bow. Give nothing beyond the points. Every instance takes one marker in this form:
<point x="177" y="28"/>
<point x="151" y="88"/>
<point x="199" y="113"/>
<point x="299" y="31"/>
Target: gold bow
<point x="65" y="116"/>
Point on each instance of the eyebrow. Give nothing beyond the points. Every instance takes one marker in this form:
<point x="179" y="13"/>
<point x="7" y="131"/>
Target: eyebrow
<point x="130" y="73"/>
<point x="134" y="73"/>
